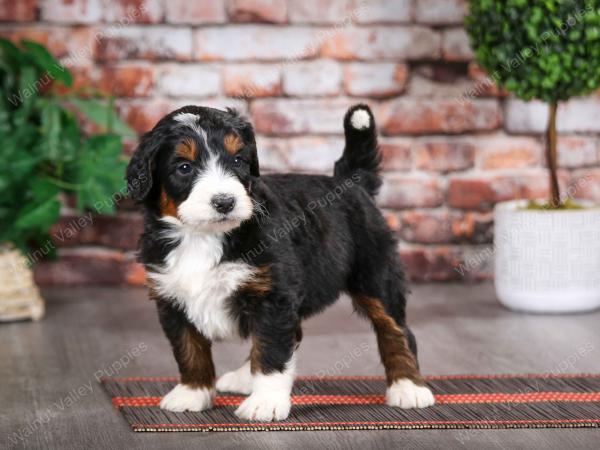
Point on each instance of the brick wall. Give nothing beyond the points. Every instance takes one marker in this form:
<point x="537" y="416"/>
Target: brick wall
<point x="453" y="144"/>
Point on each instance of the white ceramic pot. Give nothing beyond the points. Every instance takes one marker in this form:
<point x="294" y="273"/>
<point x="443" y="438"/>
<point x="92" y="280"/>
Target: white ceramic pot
<point x="547" y="261"/>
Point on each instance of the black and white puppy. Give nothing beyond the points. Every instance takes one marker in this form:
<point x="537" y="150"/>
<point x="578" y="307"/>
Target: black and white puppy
<point x="230" y="253"/>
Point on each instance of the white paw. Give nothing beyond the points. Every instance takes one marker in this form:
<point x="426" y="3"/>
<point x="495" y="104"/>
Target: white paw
<point x="185" y="398"/>
<point x="406" y="394"/>
<point x="238" y="381"/>
<point x="360" y="119"/>
<point x="265" y="406"/>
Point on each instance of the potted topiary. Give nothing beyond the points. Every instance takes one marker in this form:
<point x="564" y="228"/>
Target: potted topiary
<point x="45" y="157"/>
<point x="547" y="253"/>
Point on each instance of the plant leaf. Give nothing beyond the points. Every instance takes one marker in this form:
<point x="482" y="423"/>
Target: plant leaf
<point x="41" y="217"/>
<point x="103" y="115"/>
<point x="47" y="63"/>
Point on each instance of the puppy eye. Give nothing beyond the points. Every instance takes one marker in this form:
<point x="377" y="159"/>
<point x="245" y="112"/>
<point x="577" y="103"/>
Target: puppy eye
<point x="184" y="168"/>
<point x="237" y="160"/>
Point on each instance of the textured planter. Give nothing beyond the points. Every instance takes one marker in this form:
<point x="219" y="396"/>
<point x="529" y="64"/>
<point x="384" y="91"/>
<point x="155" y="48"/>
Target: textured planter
<point x="547" y="261"/>
<point x="19" y="296"/>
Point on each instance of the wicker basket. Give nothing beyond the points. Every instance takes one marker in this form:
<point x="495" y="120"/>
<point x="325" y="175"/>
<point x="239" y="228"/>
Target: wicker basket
<point x="19" y="296"/>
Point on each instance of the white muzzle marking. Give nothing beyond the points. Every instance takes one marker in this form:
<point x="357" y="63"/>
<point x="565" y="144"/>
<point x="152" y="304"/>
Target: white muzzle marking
<point x="197" y="210"/>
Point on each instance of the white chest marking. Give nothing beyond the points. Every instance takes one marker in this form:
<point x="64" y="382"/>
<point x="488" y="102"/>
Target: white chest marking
<point x="194" y="279"/>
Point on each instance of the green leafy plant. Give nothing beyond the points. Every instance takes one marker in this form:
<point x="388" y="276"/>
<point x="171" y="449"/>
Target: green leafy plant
<point x="45" y="152"/>
<point x="547" y="50"/>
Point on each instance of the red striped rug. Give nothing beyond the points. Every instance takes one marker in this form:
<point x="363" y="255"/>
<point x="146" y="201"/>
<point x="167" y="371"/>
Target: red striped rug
<point x="340" y="403"/>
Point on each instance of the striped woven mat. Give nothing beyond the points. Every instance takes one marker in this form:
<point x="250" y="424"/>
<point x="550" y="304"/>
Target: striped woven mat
<point x="357" y="403"/>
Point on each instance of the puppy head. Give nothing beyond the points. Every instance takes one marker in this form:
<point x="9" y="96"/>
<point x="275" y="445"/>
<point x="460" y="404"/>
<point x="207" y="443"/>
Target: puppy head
<point x="195" y="168"/>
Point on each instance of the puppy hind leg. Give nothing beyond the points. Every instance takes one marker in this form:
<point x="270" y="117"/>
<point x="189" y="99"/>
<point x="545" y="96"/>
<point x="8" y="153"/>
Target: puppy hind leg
<point x="406" y="387"/>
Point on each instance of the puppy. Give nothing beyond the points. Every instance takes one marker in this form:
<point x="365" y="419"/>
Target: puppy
<point x="230" y="253"/>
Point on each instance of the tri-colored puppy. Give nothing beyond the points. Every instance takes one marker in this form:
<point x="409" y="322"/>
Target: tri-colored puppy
<point x="230" y="253"/>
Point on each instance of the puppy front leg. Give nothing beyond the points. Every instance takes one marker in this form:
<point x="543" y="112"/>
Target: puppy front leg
<point x="273" y="366"/>
<point x="192" y="351"/>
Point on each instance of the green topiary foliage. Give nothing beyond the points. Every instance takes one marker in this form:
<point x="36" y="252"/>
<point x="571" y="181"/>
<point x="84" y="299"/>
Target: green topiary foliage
<point x="539" y="49"/>
<point x="544" y="49"/>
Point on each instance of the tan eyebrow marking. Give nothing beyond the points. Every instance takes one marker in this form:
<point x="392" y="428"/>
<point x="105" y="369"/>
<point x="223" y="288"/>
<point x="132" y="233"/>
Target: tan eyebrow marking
<point x="233" y="143"/>
<point x="187" y="149"/>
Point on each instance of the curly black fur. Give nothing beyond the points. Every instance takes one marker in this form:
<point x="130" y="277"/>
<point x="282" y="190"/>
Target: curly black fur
<point x="317" y="236"/>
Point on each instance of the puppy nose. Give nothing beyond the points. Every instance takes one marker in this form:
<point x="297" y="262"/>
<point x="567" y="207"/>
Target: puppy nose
<point x="223" y="203"/>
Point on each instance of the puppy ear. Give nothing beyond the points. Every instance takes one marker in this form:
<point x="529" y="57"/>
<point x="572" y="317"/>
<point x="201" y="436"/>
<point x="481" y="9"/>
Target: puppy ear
<point x="141" y="166"/>
<point x="254" y="168"/>
<point x="247" y="132"/>
<point x="249" y="137"/>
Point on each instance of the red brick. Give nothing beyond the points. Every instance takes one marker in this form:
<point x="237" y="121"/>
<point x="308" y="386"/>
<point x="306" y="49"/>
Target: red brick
<point x="447" y="263"/>
<point x="578" y="151"/>
<point x="221" y="103"/>
<point x="412" y="43"/>
<point x="38" y="34"/>
<point x="320" y="11"/>
<point x="302" y="154"/>
<point x="475" y="263"/>
<point x="195" y="12"/>
<point x="440" y="12"/>
<point x="535" y="183"/>
<point x="481" y="192"/>
<point x="396" y="153"/>
<point x="400" y="191"/>
<point x="444" y="227"/>
<point x="73" y="46"/>
<point x="270" y="11"/>
<point x="441" y="115"/>
<point x="142" y="115"/>
<point x="430" y="263"/>
<point x="443" y="155"/>
<point x="507" y="152"/>
<point x="135" y="274"/>
<point x="133" y="11"/>
<point x="484" y="84"/>
<point x="472" y="227"/>
<point x="392" y="218"/>
<point x="150" y="42"/>
<point x="578" y="115"/>
<point x="128" y="80"/>
<point x="382" y="11"/>
<point x="82" y="81"/>
<point x="428" y="81"/>
<point x="456" y="46"/>
<point x="263" y="43"/>
<point x="86" y="266"/>
<point x="314" y="154"/>
<point x="18" y="11"/>
<point x="189" y="80"/>
<point x="314" y="78"/>
<point x="252" y="80"/>
<point x="426" y="227"/>
<point x="375" y="80"/>
<point x="525" y="117"/>
<point x="121" y="231"/>
<point x="585" y="185"/>
<point x="272" y="154"/>
<point x="129" y="146"/>
<point x="72" y="11"/>
<point x="288" y="117"/>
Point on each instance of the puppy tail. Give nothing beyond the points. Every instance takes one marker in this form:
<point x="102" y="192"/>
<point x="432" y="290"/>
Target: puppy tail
<point x="361" y="160"/>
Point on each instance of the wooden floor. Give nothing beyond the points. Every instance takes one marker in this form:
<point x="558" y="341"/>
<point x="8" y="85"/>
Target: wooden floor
<point x="49" y="397"/>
